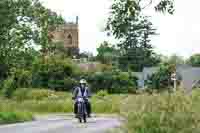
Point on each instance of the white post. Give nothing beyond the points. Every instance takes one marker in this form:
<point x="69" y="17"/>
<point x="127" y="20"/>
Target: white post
<point x="173" y="77"/>
<point x="174" y="85"/>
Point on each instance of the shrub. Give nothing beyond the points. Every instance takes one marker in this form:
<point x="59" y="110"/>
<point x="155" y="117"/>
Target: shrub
<point x="13" y="117"/>
<point x="23" y="78"/>
<point x="55" y="73"/>
<point x="102" y="93"/>
<point x="9" y="86"/>
<point x="69" y="83"/>
<point x="161" y="80"/>
<point x="114" y="81"/>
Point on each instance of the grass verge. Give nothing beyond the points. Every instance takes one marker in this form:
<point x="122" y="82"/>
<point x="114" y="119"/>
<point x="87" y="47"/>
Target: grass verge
<point x="45" y="101"/>
<point x="13" y="117"/>
<point x="162" y="113"/>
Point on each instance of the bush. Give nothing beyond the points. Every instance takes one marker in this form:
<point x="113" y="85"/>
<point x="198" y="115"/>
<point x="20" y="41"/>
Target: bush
<point x="55" y="73"/>
<point x="69" y="83"/>
<point x="23" y="78"/>
<point x="161" y="80"/>
<point x="9" y="86"/>
<point x="114" y="81"/>
<point x="102" y="93"/>
<point x="13" y="117"/>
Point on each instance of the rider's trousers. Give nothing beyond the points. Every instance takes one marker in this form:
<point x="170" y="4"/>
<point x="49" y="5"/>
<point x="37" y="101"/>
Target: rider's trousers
<point x="88" y="107"/>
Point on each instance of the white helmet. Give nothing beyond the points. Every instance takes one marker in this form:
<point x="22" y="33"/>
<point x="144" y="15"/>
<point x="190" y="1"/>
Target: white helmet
<point x="83" y="81"/>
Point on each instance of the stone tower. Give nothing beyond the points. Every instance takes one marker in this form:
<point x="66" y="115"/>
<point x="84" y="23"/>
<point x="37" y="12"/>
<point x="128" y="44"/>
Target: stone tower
<point x="68" y="35"/>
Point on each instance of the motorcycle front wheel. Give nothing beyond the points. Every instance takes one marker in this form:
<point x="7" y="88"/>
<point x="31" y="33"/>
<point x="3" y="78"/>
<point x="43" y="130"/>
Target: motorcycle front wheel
<point x="84" y="118"/>
<point x="80" y="120"/>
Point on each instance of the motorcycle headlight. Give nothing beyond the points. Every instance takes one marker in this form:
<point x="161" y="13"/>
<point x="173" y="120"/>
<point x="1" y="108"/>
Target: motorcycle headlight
<point x="80" y="100"/>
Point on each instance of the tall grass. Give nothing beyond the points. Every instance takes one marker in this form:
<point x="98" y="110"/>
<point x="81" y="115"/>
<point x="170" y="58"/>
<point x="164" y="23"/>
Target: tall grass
<point x="162" y="113"/>
<point x="45" y="101"/>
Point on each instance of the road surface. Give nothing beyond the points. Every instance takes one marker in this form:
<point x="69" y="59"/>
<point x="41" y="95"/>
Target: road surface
<point x="62" y="124"/>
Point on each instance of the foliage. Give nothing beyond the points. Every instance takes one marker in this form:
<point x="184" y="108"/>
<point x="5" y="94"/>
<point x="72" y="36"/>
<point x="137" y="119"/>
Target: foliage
<point x="194" y="60"/>
<point x="24" y="23"/>
<point x="69" y="83"/>
<point x="102" y="93"/>
<point x="88" y="55"/>
<point x="107" y="54"/>
<point x="54" y="73"/>
<point x="175" y="59"/>
<point x="57" y="48"/>
<point x="161" y="80"/>
<point x="134" y="30"/>
<point x="162" y="113"/>
<point x="112" y="81"/>
<point x="13" y="117"/>
<point x="45" y="101"/>
<point x="39" y="94"/>
<point x="22" y="94"/>
<point x="165" y="6"/>
<point x="9" y="86"/>
<point x="23" y="77"/>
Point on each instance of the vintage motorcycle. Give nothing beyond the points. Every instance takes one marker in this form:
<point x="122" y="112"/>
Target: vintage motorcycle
<point x="82" y="111"/>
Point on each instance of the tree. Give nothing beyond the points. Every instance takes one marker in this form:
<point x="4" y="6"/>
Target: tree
<point x="175" y="59"/>
<point x="165" y="6"/>
<point x="123" y="11"/>
<point x="107" y="53"/>
<point x="161" y="79"/>
<point x="134" y="30"/>
<point x="138" y="51"/>
<point x="24" y="23"/>
<point x="194" y="60"/>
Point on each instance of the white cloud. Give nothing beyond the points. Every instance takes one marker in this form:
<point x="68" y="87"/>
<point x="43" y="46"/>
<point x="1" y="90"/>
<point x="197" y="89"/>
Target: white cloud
<point x="178" y="33"/>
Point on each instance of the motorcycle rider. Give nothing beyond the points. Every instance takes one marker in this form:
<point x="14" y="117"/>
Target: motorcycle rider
<point x="82" y="91"/>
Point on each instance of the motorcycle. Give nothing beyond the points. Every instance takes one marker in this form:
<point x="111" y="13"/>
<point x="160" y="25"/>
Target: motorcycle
<point x="82" y="111"/>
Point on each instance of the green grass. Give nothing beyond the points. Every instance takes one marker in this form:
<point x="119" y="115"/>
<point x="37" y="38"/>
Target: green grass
<point x="157" y="113"/>
<point x="162" y="113"/>
<point x="45" y="101"/>
<point x="13" y="117"/>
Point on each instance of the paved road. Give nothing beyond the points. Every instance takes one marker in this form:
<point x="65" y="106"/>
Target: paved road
<point x="61" y="124"/>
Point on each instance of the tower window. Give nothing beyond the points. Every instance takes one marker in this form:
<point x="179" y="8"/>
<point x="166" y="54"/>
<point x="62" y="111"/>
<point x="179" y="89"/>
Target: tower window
<point x="69" y="38"/>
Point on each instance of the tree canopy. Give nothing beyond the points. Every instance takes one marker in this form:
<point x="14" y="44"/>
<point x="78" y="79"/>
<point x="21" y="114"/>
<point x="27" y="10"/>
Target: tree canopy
<point x="194" y="60"/>
<point x="134" y="30"/>
<point x="24" y="23"/>
<point x="107" y="53"/>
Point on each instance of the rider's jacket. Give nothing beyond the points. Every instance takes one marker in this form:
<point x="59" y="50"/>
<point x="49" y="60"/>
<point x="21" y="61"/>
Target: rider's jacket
<point x="77" y="92"/>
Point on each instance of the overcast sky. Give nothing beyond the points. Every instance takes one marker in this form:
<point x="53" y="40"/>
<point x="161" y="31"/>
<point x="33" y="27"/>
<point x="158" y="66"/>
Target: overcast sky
<point x="179" y="34"/>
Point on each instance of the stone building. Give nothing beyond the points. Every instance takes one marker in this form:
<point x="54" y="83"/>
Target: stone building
<point x="67" y="35"/>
